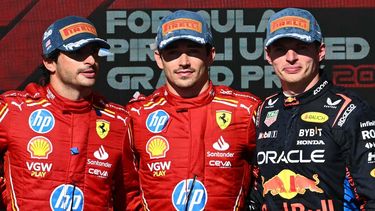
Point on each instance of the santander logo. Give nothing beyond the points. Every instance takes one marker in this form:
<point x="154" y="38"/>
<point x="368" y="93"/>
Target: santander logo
<point x="220" y="144"/>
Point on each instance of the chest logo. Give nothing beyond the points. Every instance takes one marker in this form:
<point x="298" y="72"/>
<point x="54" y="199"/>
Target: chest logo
<point x="101" y="154"/>
<point x="102" y="128"/>
<point x="157" y="121"/>
<point x="157" y="147"/>
<point x="221" y="144"/>
<point x="223" y="118"/>
<point x="315" y="117"/>
<point x="271" y="117"/>
<point x="41" y="121"/>
<point x="39" y="147"/>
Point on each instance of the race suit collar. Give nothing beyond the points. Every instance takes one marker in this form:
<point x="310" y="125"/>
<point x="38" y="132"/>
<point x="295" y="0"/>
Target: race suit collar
<point x="187" y="103"/>
<point x="315" y="92"/>
<point x="67" y="105"/>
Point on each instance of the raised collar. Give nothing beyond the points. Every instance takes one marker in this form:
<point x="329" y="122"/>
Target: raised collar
<point x="187" y="103"/>
<point x="315" y="92"/>
<point x="63" y="104"/>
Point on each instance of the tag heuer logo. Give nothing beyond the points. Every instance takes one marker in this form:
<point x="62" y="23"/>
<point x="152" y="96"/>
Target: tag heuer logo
<point x="102" y="128"/>
<point x="223" y="118"/>
<point x="271" y="117"/>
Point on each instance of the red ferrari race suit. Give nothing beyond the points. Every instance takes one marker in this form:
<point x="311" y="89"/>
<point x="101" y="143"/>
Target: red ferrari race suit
<point x="310" y="146"/>
<point x="66" y="155"/>
<point x="194" y="153"/>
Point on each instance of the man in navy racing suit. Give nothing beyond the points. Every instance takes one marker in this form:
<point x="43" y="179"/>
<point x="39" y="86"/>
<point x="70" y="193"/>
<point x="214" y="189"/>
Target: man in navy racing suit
<point x="315" y="141"/>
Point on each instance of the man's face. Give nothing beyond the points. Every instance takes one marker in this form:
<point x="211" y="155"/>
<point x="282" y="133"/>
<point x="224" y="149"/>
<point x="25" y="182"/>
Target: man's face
<point x="76" y="70"/>
<point x="185" y="64"/>
<point x="296" y="63"/>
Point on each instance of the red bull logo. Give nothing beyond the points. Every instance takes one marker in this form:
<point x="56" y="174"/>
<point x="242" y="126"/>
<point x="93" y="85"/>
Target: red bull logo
<point x="288" y="184"/>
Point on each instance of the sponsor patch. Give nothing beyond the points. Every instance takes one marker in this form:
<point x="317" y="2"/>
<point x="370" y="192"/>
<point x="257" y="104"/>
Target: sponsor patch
<point x="77" y="28"/>
<point x="221" y="144"/>
<point x="41" y="121"/>
<point x="315" y="117"/>
<point x="157" y="147"/>
<point x="371" y="157"/>
<point x="223" y="118"/>
<point x="271" y="117"/>
<point x="159" y="169"/>
<point x="290" y="21"/>
<point x="66" y="197"/>
<point x="102" y="128"/>
<point x="268" y="134"/>
<point x="39" y="147"/>
<point x="288" y="184"/>
<point x="192" y="190"/>
<point x="157" y="121"/>
<point x="372" y="173"/>
<point x="182" y="23"/>
<point x="101" y="154"/>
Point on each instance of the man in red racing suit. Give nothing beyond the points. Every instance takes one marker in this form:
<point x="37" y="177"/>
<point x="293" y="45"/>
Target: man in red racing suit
<point x="193" y="143"/>
<point x="63" y="146"/>
<point x="62" y="154"/>
<point x="195" y="149"/>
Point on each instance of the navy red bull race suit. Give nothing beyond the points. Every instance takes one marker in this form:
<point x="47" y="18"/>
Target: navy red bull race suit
<point x="194" y="153"/>
<point x="310" y="147"/>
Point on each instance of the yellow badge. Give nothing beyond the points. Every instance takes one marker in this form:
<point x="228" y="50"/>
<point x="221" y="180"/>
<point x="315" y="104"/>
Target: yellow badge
<point x="102" y="128"/>
<point x="223" y="118"/>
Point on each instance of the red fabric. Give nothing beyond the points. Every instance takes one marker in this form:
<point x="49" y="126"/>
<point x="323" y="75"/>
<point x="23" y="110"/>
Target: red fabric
<point x="191" y="131"/>
<point x="34" y="169"/>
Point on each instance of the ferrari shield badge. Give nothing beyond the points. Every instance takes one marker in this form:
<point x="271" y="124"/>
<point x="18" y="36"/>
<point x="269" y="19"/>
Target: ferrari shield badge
<point x="223" y="118"/>
<point x="102" y="128"/>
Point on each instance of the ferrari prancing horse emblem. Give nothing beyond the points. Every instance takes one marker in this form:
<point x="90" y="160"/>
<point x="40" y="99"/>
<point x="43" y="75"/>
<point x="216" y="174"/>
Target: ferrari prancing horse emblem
<point x="223" y="118"/>
<point x="102" y="128"/>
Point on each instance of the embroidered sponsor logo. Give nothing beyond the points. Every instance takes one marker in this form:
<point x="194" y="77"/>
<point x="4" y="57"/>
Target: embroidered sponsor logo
<point x="159" y="169"/>
<point x="346" y="114"/>
<point x="268" y="134"/>
<point x="221" y="144"/>
<point x="102" y="128"/>
<point x="182" y="23"/>
<point x="271" y="117"/>
<point x="192" y="190"/>
<point x="39" y="147"/>
<point x="287" y="184"/>
<point x="367" y="124"/>
<point x="157" y="147"/>
<point x="101" y="154"/>
<point x="315" y="117"/>
<point x="67" y="197"/>
<point x="77" y="28"/>
<point x="157" y="121"/>
<point x="290" y="21"/>
<point x="223" y="118"/>
<point x="320" y="87"/>
<point x="41" y="121"/>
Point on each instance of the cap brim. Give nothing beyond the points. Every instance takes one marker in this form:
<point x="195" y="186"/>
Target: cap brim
<point x="170" y="40"/>
<point x="83" y="42"/>
<point x="301" y="37"/>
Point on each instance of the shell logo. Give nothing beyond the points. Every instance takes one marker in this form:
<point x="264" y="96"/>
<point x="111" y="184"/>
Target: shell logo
<point x="157" y="147"/>
<point x="372" y="173"/>
<point x="39" y="147"/>
<point x="315" y="117"/>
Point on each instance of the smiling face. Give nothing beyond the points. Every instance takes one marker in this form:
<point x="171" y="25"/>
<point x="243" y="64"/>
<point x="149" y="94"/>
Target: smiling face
<point x="185" y="64"/>
<point x="296" y="63"/>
